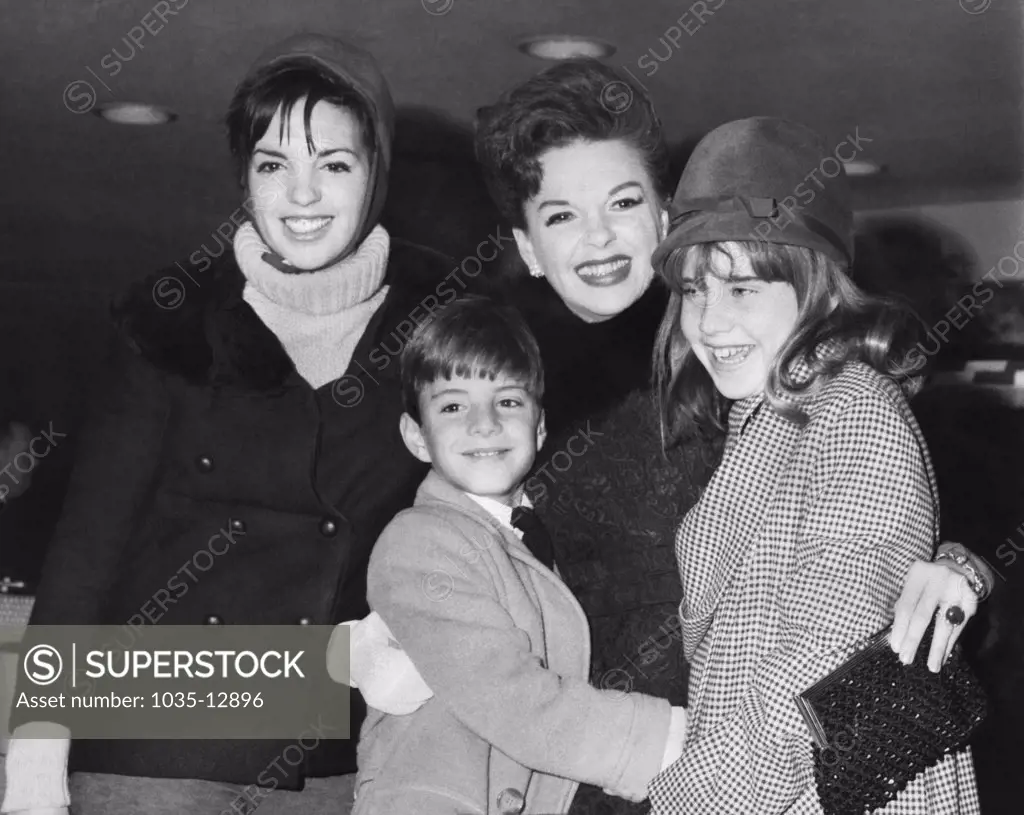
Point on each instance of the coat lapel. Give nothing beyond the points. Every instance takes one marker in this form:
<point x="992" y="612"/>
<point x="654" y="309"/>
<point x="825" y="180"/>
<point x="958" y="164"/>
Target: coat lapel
<point x="734" y="508"/>
<point x="550" y="591"/>
<point x="434" y="488"/>
<point x="724" y="524"/>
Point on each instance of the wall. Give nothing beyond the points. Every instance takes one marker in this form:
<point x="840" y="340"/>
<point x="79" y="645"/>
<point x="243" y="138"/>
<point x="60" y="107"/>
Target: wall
<point x="939" y="251"/>
<point x="990" y="228"/>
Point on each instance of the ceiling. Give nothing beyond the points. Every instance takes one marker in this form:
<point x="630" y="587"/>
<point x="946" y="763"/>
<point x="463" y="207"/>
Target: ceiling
<point x="934" y="84"/>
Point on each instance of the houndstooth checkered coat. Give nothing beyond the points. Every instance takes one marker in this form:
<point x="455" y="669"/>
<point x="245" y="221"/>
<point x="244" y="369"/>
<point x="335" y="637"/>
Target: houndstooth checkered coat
<point x="798" y="549"/>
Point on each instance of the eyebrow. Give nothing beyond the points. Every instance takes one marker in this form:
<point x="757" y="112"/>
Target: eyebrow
<point x="611" y="192"/>
<point x="320" y="154"/>
<point x="448" y="392"/>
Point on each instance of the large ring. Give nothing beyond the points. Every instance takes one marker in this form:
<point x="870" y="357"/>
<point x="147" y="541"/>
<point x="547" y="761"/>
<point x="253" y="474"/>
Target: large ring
<point x="955" y="615"/>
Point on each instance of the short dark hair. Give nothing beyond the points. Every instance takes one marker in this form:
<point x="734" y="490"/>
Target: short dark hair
<point x="576" y="100"/>
<point x="280" y="86"/>
<point x="472" y="337"/>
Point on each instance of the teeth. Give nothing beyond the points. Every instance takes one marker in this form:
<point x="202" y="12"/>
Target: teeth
<point x="486" y="454"/>
<point x="304" y="225"/>
<point x="604" y="268"/>
<point x="734" y="352"/>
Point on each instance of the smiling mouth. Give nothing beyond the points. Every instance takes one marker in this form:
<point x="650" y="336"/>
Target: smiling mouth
<point x="490" y="452"/>
<point x="306" y="228"/>
<point x="729" y="356"/>
<point x="605" y="272"/>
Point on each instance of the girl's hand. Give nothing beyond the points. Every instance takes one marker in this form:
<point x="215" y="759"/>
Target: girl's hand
<point x="930" y="589"/>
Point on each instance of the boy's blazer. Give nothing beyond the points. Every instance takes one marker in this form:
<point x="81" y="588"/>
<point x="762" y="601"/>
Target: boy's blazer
<point x="505" y="647"/>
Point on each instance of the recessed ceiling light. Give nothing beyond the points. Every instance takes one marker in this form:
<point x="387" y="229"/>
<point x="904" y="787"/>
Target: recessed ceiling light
<point x="134" y="113"/>
<point x="858" y="167"/>
<point x="565" y="46"/>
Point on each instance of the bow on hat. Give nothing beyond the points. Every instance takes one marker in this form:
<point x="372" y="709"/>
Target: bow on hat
<point x="747" y="180"/>
<point x="759" y="209"/>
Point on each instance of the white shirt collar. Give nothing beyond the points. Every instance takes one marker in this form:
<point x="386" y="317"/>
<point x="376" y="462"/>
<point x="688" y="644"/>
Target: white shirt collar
<point x="502" y="512"/>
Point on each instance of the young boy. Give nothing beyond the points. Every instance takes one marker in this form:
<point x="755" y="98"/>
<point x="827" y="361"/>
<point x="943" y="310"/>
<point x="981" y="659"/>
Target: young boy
<point x="513" y="725"/>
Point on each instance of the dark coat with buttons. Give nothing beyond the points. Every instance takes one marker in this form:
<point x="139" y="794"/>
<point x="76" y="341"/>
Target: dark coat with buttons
<point x="214" y="485"/>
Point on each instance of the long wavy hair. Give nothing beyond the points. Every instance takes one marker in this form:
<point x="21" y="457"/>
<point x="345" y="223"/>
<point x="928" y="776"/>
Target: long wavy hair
<point x="831" y="309"/>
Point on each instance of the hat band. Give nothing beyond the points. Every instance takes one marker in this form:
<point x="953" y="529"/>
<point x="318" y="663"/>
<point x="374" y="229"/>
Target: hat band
<point x="758" y="208"/>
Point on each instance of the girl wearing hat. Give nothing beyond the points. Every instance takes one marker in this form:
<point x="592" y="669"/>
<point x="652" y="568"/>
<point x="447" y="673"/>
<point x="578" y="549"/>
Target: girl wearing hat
<point x="575" y="159"/>
<point x="252" y="406"/>
<point x="825" y="495"/>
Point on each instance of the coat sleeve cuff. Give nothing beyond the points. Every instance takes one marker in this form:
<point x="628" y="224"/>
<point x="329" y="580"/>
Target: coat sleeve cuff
<point x="644" y="750"/>
<point x="37" y="772"/>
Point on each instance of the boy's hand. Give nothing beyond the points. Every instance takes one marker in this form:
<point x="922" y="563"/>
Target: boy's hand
<point x="378" y="667"/>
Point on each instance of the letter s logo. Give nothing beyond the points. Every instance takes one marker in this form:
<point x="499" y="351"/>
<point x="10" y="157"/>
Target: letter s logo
<point x="43" y="664"/>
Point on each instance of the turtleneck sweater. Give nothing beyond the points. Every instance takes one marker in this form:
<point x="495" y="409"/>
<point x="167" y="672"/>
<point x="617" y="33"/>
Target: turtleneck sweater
<point x="318" y="317"/>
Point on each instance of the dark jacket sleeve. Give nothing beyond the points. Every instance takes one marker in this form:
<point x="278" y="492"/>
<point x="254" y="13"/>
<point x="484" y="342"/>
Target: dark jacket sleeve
<point x="118" y="455"/>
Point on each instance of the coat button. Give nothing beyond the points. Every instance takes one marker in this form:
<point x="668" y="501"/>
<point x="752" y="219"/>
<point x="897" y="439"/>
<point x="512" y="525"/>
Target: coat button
<point x="328" y="528"/>
<point x="236" y="525"/>
<point x="510" y="801"/>
<point x="204" y="464"/>
<point x="213" y="619"/>
<point x="305" y="620"/>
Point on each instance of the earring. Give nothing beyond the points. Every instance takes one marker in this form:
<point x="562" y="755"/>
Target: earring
<point x="535" y="270"/>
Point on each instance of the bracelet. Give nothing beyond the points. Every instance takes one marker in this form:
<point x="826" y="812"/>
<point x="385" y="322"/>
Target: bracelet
<point x="974" y="579"/>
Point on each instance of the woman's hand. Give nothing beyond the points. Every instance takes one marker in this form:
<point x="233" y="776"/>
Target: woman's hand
<point x="931" y="588"/>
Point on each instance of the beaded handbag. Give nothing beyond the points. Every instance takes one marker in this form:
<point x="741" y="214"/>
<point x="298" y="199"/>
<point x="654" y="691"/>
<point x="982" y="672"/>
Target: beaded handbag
<point x="877" y="723"/>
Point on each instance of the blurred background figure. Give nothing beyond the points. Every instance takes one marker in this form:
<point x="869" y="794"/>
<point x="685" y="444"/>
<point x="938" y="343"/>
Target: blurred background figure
<point x="14" y="441"/>
<point x="929" y="267"/>
<point x="31" y="489"/>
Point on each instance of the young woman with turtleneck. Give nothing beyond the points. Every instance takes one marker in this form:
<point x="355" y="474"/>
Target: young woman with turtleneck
<point x="255" y="404"/>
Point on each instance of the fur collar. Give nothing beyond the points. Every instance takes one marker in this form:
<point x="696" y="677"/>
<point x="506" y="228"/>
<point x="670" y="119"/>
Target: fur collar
<point x="197" y="326"/>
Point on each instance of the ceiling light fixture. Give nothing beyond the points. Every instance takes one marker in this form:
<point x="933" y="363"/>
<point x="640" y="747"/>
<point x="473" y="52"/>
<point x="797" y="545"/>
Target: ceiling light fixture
<point x="134" y="113"/>
<point x="859" y="167"/>
<point x="565" y="46"/>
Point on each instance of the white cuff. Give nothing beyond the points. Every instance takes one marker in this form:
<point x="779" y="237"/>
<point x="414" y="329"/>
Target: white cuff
<point x="37" y="772"/>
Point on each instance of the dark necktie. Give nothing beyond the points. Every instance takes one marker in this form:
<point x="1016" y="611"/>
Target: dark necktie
<point x="535" y="536"/>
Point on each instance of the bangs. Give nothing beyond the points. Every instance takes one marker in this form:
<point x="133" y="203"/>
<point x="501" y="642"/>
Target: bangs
<point x="771" y="262"/>
<point x="280" y="88"/>
<point x="285" y="99"/>
<point x="510" y="362"/>
<point x="472" y="338"/>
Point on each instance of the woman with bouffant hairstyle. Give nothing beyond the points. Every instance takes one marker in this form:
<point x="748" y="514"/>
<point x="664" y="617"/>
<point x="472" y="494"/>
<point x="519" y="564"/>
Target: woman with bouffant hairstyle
<point x="575" y="159"/>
